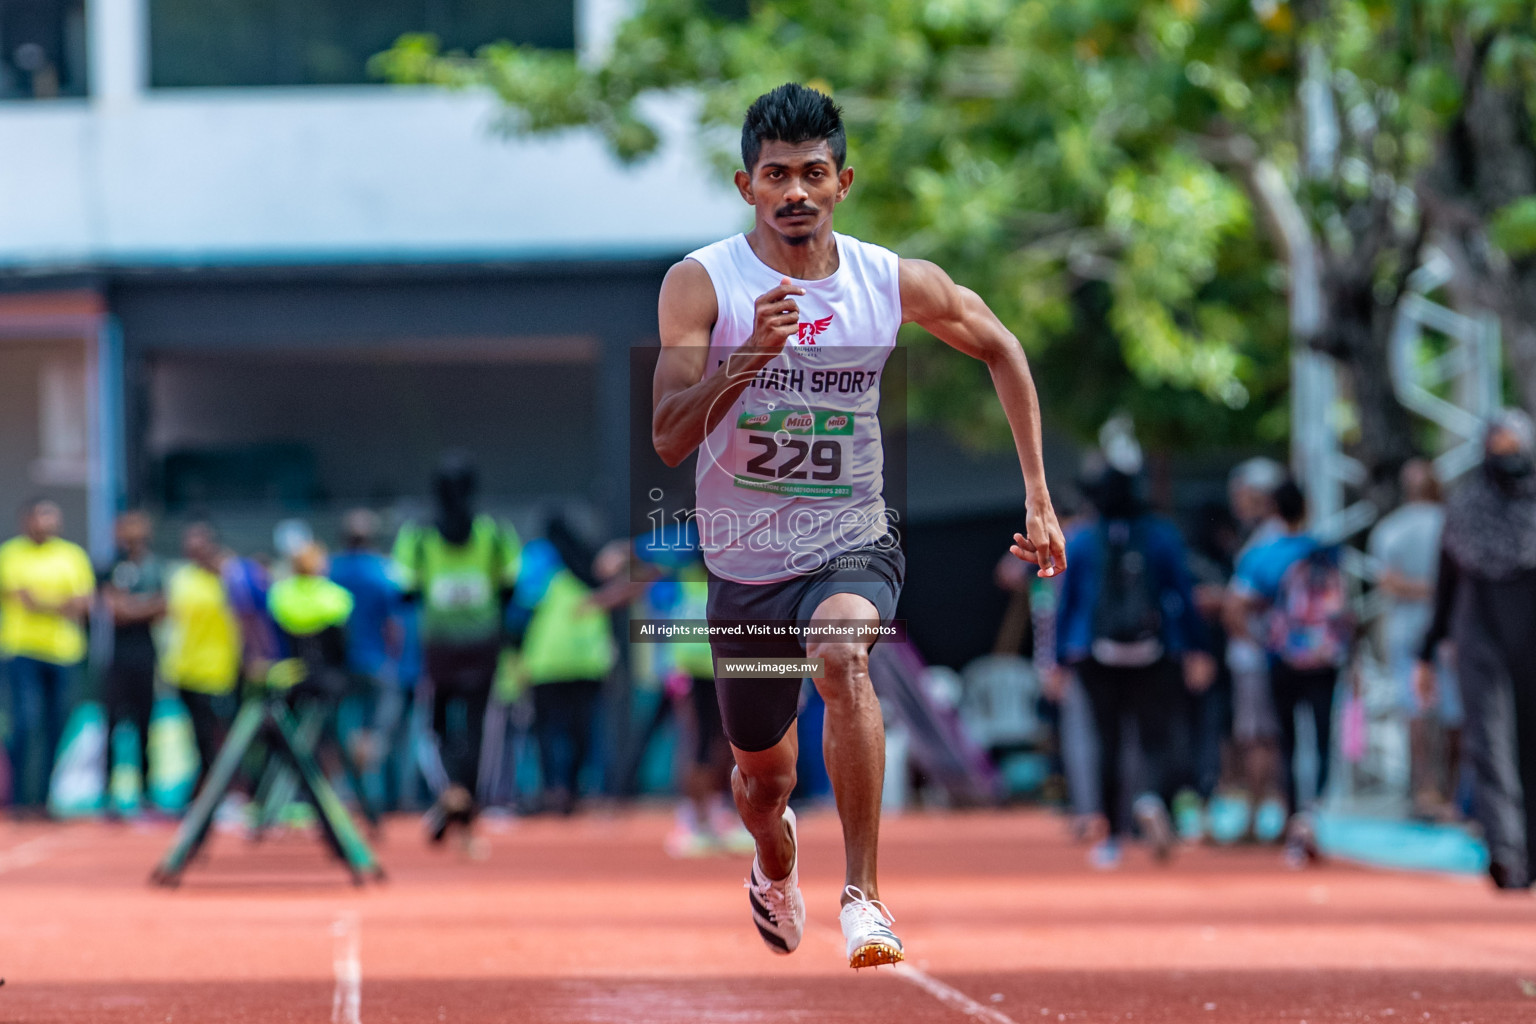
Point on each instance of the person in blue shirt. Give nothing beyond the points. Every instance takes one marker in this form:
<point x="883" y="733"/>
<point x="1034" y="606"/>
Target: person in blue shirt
<point x="1261" y="569"/>
<point x="246" y="583"/>
<point x="374" y="635"/>
<point x="1127" y="623"/>
<point x="1295" y="582"/>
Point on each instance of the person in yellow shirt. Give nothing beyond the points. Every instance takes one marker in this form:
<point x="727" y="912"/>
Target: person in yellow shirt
<point x="46" y="585"/>
<point x="202" y="651"/>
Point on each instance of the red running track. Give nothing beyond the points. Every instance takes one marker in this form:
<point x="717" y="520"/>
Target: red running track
<point x="587" y="920"/>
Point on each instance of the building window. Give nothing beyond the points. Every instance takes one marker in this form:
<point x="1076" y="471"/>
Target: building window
<point x="42" y="49"/>
<point x="328" y="42"/>
<point x="63" y="432"/>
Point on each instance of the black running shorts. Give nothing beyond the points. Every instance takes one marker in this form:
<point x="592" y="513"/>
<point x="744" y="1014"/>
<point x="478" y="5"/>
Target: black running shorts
<point x="756" y="713"/>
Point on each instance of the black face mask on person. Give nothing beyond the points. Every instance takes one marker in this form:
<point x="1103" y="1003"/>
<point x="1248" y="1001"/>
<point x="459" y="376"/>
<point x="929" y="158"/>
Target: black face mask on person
<point x="454" y="487"/>
<point x="1509" y="469"/>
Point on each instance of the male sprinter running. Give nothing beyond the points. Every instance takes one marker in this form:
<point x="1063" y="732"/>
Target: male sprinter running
<point x="790" y="514"/>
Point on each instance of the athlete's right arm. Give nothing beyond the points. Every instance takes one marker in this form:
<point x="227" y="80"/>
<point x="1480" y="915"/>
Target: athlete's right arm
<point x="687" y="400"/>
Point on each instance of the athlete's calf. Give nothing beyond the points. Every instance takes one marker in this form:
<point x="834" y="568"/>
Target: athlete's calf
<point x="761" y="784"/>
<point x="853" y="741"/>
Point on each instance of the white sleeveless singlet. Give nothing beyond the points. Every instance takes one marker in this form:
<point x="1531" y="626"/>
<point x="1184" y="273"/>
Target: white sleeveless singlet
<point x="792" y="475"/>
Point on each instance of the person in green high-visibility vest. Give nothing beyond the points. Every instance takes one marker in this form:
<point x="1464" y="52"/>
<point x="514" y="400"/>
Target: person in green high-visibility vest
<point x="567" y="651"/>
<point x="461" y="569"/>
<point x="311" y="613"/>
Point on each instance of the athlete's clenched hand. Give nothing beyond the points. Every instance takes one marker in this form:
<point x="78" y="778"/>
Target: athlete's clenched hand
<point x="776" y="319"/>
<point x="1042" y="542"/>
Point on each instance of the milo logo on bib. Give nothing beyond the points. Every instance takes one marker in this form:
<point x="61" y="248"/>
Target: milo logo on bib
<point x="797" y="422"/>
<point x="800" y="422"/>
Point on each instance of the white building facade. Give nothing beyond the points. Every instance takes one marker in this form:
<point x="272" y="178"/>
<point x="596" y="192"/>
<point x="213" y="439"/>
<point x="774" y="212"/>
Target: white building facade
<point x="246" y="276"/>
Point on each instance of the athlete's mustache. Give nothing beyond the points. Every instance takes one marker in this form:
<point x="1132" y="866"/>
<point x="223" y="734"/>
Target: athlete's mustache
<point x="795" y="209"/>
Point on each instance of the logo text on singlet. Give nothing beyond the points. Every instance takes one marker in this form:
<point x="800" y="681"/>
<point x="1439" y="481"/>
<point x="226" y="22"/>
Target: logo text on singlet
<point x="822" y="382"/>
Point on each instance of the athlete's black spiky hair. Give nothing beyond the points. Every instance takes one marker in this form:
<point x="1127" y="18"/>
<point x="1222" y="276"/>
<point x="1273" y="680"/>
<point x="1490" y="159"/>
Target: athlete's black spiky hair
<point x="792" y="113"/>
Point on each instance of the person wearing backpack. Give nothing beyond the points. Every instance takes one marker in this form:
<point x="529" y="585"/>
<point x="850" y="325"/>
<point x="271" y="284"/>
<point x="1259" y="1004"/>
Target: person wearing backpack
<point x="1297" y="584"/>
<point x="1127" y="623"/>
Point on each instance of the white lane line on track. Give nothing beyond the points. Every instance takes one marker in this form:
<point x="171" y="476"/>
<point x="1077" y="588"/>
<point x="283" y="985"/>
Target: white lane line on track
<point x="949" y="996"/>
<point x="347" y="999"/>
<point x="33" y="851"/>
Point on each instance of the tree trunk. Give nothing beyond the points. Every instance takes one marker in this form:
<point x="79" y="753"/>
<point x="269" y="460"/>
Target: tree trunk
<point x="1334" y="310"/>
<point x="1486" y="161"/>
<point x="1359" y="332"/>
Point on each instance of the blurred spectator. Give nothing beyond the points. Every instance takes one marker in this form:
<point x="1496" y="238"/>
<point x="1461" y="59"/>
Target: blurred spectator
<point x="133" y="589"/>
<point x="1127" y="623"/>
<point x="1251" y="488"/>
<point x="626" y="568"/>
<point x="405" y="787"/>
<point x="1065" y="706"/>
<point x="567" y="651"/>
<point x="1213" y="547"/>
<point x="46" y="584"/>
<point x="707" y="821"/>
<point x="1296" y="582"/>
<point x="374" y="635"/>
<point x="1255" y="728"/>
<point x="246" y="582"/>
<point x="311" y="613"/>
<point x="461" y="568"/>
<point x="202" y="655"/>
<point x="1485" y="601"/>
<point x="1406" y="543"/>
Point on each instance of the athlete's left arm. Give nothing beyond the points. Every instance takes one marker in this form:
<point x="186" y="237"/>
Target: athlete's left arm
<point x="958" y="317"/>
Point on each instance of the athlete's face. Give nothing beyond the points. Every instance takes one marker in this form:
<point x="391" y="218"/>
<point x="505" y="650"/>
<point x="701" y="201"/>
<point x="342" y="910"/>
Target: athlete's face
<point x="794" y="187"/>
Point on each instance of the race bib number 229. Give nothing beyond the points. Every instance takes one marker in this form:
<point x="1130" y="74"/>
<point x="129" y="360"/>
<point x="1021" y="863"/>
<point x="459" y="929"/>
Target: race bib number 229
<point x="795" y="452"/>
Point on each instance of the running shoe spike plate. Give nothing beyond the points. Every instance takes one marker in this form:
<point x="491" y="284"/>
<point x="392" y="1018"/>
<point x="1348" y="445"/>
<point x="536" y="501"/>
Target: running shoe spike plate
<point x="867" y="930"/>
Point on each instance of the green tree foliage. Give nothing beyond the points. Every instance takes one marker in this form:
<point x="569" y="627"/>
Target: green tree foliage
<point x="1034" y="150"/>
<point x="1074" y="161"/>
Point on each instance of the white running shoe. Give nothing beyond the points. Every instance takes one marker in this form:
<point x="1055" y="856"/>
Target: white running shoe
<point x="867" y="930"/>
<point x="778" y="909"/>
